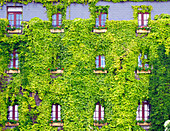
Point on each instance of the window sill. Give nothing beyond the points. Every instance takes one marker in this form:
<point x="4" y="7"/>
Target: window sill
<point x="142" y="71"/>
<point x="9" y="124"/>
<point x="100" y="71"/>
<point x="12" y="71"/>
<point x="57" y="71"/>
<point x="56" y="30"/>
<point x="56" y="124"/>
<point x="97" y="124"/>
<point x="143" y="124"/>
<point x="143" y="31"/>
<point x="99" y="30"/>
<point x="17" y="31"/>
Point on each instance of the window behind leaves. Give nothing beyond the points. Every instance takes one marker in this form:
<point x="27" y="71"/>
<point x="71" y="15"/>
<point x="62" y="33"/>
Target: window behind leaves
<point x="143" y="19"/>
<point x="13" y="112"/>
<point x="99" y="112"/>
<point x="101" y="20"/>
<point x="56" y="112"/>
<point x="56" y="20"/>
<point x="100" y="61"/>
<point x="143" y="111"/>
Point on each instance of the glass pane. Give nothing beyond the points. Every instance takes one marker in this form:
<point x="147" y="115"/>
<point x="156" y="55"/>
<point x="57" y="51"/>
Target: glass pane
<point x="97" y="108"/>
<point x="59" y="23"/>
<point x="145" y="23"/>
<point x="54" y="17"/>
<point x="53" y="108"/>
<point x="59" y="108"/>
<point x="102" y="108"/>
<point x="139" y="16"/>
<point x="60" y="16"/>
<point x="102" y="114"/>
<point x="102" y="61"/>
<point x="10" y="115"/>
<point x="54" y="23"/>
<point x="139" y="61"/>
<point x="97" y="22"/>
<point x="139" y="23"/>
<point x="53" y="114"/>
<point x="59" y="114"/>
<point x="10" y="108"/>
<point x="16" y="108"/>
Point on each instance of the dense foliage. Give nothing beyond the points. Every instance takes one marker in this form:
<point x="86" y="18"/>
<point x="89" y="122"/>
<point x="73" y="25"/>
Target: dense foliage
<point x="78" y="89"/>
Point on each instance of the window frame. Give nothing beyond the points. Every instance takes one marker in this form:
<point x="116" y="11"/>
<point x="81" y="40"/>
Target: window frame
<point x="15" y="114"/>
<point x="57" y="20"/>
<point x="99" y="17"/>
<point x="57" y="112"/>
<point x="99" y="112"/>
<point x="141" y="107"/>
<point x="100" y="61"/>
<point x="142" y="19"/>
<point x="15" y="13"/>
<point x="14" y="59"/>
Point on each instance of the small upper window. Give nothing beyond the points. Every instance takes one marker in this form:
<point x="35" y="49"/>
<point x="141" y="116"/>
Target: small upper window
<point x="15" y="16"/>
<point x="99" y="112"/>
<point x="101" y="20"/>
<point x="56" y="20"/>
<point x="140" y="64"/>
<point x="13" y="112"/>
<point x="143" y="19"/>
<point x="14" y="60"/>
<point x="143" y="111"/>
<point x="56" y="112"/>
<point x="100" y="61"/>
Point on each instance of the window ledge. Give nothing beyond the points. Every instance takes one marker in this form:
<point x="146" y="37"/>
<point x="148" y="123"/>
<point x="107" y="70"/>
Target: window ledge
<point x="56" y="30"/>
<point x="142" y="71"/>
<point x="97" y="124"/>
<point x="143" y="31"/>
<point x="56" y="124"/>
<point x="144" y="124"/>
<point x="9" y="124"/>
<point x="17" y="31"/>
<point x="99" y="30"/>
<point x="100" y="71"/>
<point x="57" y="71"/>
<point x="12" y="71"/>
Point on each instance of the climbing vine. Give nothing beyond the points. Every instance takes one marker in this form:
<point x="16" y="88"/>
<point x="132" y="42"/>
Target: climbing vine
<point x="78" y="89"/>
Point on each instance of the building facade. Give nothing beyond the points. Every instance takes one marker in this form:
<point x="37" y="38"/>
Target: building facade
<point x="80" y="65"/>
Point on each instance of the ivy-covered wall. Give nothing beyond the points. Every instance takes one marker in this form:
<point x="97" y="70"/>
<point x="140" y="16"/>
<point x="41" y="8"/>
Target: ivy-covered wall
<point x="78" y="89"/>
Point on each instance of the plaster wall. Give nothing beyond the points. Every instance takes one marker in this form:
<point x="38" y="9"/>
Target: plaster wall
<point x="117" y="11"/>
<point x="30" y="11"/>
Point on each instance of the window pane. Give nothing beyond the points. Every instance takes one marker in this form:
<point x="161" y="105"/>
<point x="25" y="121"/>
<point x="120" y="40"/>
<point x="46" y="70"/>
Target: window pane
<point x="139" y="61"/>
<point x="54" y="108"/>
<point x="102" y="61"/>
<point x="97" y="22"/>
<point x="97" y="108"/>
<point x="145" y="23"/>
<point x="139" y="23"/>
<point x="139" y="16"/>
<point x="16" y="108"/>
<point x="60" y="16"/>
<point x="59" y="108"/>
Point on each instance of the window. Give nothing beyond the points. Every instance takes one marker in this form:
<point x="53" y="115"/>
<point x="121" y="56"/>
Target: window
<point x="56" y="20"/>
<point x="14" y="60"/>
<point x="140" y="64"/>
<point x="99" y="112"/>
<point x="56" y="112"/>
<point x="15" y="16"/>
<point x="101" y="20"/>
<point x="143" y="111"/>
<point x="143" y="19"/>
<point x="100" y="61"/>
<point x="13" y="112"/>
